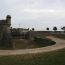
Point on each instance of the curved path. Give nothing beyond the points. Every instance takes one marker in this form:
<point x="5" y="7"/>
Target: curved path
<point x="59" y="45"/>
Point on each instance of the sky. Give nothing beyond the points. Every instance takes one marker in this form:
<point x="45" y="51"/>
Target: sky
<point x="38" y="14"/>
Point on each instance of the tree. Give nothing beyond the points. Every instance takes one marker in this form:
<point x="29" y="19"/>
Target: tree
<point x="33" y="29"/>
<point x="63" y="28"/>
<point x="47" y="29"/>
<point x="55" y="28"/>
<point x="28" y="29"/>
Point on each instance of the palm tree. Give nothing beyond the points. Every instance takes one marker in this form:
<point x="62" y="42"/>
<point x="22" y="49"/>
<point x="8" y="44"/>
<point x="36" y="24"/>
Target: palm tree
<point x="47" y="29"/>
<point x="33" y="29"/>
<point x="55" y="28"/>
<point x="63" y="28"/>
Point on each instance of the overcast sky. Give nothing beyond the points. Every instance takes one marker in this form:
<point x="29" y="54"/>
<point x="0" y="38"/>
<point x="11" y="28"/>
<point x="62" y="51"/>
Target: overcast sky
<point x="34" y="13"/>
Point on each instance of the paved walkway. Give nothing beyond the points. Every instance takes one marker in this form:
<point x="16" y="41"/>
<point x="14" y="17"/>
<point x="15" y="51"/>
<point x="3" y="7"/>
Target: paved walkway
<point x="59" y="45"/>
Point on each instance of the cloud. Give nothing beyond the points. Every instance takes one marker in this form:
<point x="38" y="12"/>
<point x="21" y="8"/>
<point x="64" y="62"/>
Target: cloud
<point x="34" y="12"/>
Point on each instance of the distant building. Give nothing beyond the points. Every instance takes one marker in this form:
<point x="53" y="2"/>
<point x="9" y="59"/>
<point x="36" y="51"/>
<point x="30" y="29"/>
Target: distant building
<point x="19" y="32"/>
<point x="22" y="30"/>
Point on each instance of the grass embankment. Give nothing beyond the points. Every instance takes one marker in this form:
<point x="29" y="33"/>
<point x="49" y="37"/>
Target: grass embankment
<point x="38" y="42"/>
<point x="49" y="58"/>
<point x="61" y="36"/>
<point x="25" y="44"/>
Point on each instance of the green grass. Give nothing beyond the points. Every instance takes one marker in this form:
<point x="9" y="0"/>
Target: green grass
<point x="61" y="36"/>
<point x="50" y="58"/>
<point x="25" y="44"/>
<point x="36" y="43"/>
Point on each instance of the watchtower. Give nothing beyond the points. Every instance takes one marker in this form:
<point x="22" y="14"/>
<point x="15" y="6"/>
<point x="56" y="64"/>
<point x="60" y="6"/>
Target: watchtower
<point x="8" y="20"/>
<point x="5" y="33"/>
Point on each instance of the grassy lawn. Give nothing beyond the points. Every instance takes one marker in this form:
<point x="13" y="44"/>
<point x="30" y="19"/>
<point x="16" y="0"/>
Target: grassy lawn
<point x="49" y="58"/>
<point x="25" y="44"/>
<point x="61" y="36"/>
<point x="36" y="43"/>
<point x="29" y="44"/>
